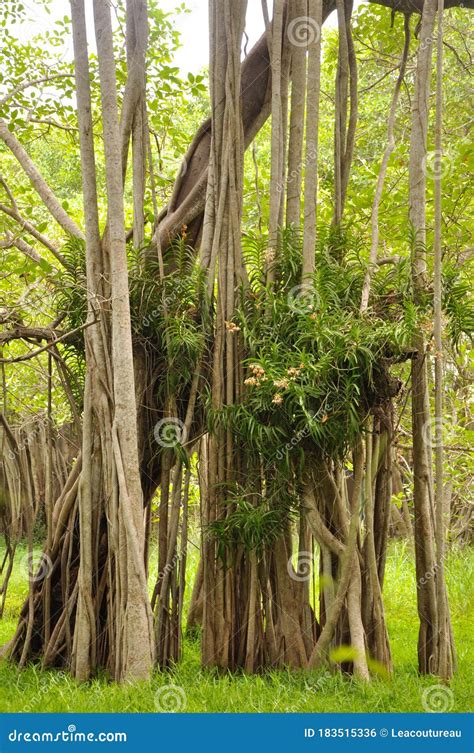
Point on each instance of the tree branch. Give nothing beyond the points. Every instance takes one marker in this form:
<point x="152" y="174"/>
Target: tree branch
<point x="4" y="183"/>
<point x="22" y="246"/>
<point x="53" y="124"/>
<point x="30" y="228"/>
<point x="39" y="183"/>
<point x="27" y="84"/>
<point x="51" y="344"/>
<point x="30" y="333"/>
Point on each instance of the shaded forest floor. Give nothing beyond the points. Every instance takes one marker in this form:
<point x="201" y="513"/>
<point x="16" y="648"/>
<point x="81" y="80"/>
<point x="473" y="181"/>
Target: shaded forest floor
<point x="195" y="690"/>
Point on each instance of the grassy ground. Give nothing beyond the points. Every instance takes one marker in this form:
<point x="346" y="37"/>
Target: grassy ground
<point x="189" y="688"/>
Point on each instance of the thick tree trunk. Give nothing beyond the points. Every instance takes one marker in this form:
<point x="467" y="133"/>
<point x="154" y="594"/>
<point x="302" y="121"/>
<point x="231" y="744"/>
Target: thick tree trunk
<point x="98" y="583"/>
<point x="222" y="253"/>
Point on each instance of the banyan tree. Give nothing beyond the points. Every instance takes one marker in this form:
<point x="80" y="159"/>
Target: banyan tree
<point x="271" y="356"/>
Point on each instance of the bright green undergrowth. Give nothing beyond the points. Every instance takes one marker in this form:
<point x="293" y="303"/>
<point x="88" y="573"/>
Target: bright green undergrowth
<point x="278" y="691"/>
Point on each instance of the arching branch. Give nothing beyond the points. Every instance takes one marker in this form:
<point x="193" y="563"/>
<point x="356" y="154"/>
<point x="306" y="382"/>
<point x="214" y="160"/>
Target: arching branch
<point x="11" y="241"/>
<point x="39" y="184"/>
<point x="26" y="84"/>
<point x="51" y="344"/>
<point x="25" y="224"/>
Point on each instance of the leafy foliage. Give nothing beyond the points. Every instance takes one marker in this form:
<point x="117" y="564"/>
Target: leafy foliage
<point x="167" y="314"/>
<point x="458" y="301"/>
<point x="316" y="366"/>
<point x="254" y="522"/>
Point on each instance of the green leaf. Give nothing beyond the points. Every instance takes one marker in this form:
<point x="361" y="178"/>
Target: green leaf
<point x="343" y="653"/>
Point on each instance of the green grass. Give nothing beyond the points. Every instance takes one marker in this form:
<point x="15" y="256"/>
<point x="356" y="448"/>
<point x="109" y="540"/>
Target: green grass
<point x="198" y="690"/>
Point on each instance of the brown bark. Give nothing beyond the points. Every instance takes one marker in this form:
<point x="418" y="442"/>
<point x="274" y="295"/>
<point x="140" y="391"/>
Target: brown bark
<point x="98" y="592"/>
<point x="222" y="249"/>
<point x="296" y="131"/>
<point x="431" y="589"/>
<point x="312" y="128"/>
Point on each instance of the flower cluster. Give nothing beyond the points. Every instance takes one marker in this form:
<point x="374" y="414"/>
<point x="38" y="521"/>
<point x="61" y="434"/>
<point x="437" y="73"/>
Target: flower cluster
<point x="294" y="371"/>
<point x="232" y="327"/>
<point x="283" y="383"/>
<point x="258" y="377"/>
